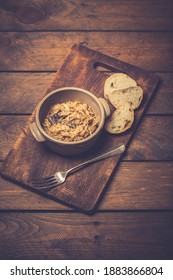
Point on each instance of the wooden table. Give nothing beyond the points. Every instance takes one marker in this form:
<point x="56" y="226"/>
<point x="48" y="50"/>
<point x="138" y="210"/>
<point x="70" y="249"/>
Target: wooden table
<point x="135" y="218"/>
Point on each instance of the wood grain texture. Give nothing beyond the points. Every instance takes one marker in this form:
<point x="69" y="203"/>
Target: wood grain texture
<point x="22" y="91"/>
<point x="135" y="186"/>
<point x="157" y="132"/>
<point x="82" y="15"/>
<point x="162" y="103"/>
<point x="10" y="128"/>
<point x="25" y="90"/>
<point x="45" y="51"/>
<point x="75" y="236"/>
<point x="158" y="135"/>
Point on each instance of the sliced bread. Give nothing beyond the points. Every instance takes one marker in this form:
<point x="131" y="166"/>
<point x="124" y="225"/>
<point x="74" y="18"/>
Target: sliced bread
<point x="118" y="81"/>
<point x="121" y="119"/>
<point x="133" y="95"/>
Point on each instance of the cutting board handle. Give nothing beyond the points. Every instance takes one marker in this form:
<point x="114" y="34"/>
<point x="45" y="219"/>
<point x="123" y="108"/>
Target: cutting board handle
<point x="102" y="67"/>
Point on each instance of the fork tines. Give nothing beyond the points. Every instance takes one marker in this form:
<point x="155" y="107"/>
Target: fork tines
<point x="45" y="182"/>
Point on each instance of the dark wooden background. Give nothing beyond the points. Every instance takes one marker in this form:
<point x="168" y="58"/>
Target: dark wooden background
<point x="135" y="218"/>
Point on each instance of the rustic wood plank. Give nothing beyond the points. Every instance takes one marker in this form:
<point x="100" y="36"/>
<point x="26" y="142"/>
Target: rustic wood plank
<point x="46" y="50"/>
<point x="10" y="128"/>
<point x="135" y="186"/>
<point x="75" y="236"/>
<point x="153" y="140"/>
<point x="78" y="14"/>
<point x="25" y="90"/>
<point x="139" y="186"/>
<point x="162" y="102"/>
<point x="21" y="92"/>
<point x="156" y="130"/>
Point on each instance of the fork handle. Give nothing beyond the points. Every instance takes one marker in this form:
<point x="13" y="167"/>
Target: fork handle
<point x="119" y="150"/>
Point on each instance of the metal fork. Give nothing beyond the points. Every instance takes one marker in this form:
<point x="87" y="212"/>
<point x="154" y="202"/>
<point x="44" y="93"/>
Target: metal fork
<point x="60" y="177"/>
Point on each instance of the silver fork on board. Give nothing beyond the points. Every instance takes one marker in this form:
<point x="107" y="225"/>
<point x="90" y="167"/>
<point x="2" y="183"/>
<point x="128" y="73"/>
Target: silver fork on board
<point x="59" y="177"/>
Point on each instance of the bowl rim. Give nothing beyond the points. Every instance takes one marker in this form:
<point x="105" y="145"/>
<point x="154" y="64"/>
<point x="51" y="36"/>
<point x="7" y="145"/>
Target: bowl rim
<point x="101" y="124"/>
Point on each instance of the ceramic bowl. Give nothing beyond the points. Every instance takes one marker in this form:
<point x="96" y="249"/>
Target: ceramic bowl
<point x="98" y="105"/>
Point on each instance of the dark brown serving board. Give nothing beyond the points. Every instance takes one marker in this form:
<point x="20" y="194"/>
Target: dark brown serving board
<point x="29" y="159"/>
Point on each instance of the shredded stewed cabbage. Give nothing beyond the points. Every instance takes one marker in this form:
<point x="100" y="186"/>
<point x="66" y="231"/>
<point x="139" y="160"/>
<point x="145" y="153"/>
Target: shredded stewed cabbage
<point x="70" y="121"/>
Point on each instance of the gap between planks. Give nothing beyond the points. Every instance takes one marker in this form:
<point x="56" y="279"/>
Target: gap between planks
<point x="86" y="30"/>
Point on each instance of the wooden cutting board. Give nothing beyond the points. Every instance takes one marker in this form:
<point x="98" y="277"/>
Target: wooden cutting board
<point x="29" y="159"/>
